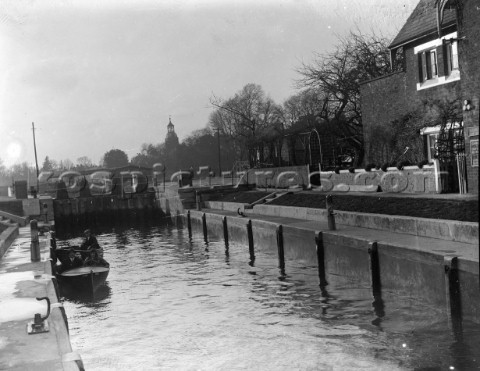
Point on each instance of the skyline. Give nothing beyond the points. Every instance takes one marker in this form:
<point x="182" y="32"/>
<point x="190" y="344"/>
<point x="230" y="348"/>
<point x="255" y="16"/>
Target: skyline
<point x="94" y="76"/>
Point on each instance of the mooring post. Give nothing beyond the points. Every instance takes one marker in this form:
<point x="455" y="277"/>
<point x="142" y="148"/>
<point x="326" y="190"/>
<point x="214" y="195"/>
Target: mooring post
<point x="45" y="212"/>
<point x="34" y="245"/>
<point x="225" y="230"/>
<point x="198" y="200"/>
<point x="251" y="248"/>
<point x="189" y="224"/>
<point x="204" y="223"/>
<point x="330" y="213"/>
<point x="452" y="290"/>
<point x="281" y="251"/>
<point x="53" y="249"/>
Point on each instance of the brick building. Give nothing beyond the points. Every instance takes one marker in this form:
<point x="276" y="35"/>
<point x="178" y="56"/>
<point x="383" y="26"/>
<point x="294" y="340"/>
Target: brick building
<point x="430" y="109"/>
<point x="469" y="65"/>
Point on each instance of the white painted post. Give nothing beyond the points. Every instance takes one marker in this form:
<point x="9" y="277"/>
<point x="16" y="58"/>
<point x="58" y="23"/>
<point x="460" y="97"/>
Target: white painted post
<point x="438" y="183"/>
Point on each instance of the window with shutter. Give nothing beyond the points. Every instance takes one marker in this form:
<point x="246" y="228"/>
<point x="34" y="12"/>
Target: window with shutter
<point x="428" y="65"/>
<point x="448" y="57"/>
<point x="424" y="67"/>
<point x="451" y="56"/>
<point x="437" y="62"/>
<point x="433" y="64"/>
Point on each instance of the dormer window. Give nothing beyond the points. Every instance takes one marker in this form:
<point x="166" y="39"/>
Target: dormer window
<point x="437" y="62"/>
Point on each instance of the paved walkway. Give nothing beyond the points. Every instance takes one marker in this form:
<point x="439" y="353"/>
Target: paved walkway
<point x="22" y="281"/>
<point x="441" y="196"/>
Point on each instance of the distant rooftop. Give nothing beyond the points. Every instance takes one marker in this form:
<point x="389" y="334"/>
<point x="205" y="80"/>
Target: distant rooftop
<point x="422" y="22"/>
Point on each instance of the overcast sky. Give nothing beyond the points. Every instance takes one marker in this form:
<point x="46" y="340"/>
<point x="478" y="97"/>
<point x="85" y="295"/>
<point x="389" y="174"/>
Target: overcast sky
<point x="94" y="75"/>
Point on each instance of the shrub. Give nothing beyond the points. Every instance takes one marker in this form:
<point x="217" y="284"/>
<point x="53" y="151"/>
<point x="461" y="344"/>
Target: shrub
<point x="369" y="167"/>
<point x="402" y="164"/>
<point x="421" y="164"/>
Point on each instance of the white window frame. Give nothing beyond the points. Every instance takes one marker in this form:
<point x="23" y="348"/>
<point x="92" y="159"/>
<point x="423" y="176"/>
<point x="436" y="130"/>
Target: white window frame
<point x="430" y="46"/>
<point x="432" y="140"/>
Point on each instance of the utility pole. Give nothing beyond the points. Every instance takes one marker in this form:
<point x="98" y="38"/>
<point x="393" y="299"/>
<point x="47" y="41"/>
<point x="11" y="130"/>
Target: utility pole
<point x="35" y="150"/>
<point x="219" y="155"/>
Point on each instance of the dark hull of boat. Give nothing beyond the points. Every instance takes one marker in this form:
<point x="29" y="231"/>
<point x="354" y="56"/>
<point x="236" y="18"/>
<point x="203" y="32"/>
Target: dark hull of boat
<point x="85" y="279"/>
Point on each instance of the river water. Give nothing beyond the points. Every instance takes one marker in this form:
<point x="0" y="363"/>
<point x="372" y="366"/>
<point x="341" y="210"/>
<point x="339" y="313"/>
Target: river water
<point x="174" y="303"/>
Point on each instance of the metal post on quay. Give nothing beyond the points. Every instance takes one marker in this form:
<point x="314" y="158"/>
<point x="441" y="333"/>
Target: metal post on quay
<point x="198" y="200"/>
<point x="45" y="212"/>
<point x="330" y="213"/>
<point x="34" y="245"/>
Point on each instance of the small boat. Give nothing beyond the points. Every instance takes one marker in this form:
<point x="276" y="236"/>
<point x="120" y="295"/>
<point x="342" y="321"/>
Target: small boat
<point x="85" y="279"/>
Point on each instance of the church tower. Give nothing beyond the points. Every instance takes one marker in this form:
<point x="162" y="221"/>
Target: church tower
<point x="171" y="140"/>
<point x="171" y="147"/>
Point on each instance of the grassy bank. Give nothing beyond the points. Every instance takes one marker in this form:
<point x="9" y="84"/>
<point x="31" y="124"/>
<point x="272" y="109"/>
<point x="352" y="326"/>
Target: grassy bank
<point x="414" y="206"/>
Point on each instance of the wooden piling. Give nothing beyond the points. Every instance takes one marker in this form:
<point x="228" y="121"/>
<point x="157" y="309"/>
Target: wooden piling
<point x="189" y="224"/>
<point x="330" y="213"/>
<point x="374" y="264"/>
<point x="251" y="247"/>
<point x="452" y="293"/>
<point x="225" y="230"/>
<point x="321" y="259"/>
<point x="281" y="251"/>
<point x="374" y="267"/>
<point x="198" y="200"/>
<point x="204" y="223"/>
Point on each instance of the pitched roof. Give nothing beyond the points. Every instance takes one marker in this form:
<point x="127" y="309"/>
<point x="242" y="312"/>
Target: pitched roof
<point x="422" y="22"/>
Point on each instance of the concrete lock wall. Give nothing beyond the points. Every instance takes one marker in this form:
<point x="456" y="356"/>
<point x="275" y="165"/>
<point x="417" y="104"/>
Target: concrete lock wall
<point x="348" y="261"/>
<point x="8" y="233"/>
<point x="92" y="210"/>
<point x="466" y="232"/>
<point x="468" y="287"/>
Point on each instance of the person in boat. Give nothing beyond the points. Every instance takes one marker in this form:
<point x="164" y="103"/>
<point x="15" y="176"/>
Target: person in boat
<point x="90" y="241"/>
<point x="95" y="259"/>
<point x="73" y="261"/>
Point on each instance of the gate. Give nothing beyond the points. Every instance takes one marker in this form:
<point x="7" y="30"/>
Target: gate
<point x="450" y="148"/>
<point x="315" y="149"/>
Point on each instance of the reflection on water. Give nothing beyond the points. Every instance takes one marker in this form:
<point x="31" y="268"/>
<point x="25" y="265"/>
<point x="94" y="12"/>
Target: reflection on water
<point x="79" y="297"/>
<point x="172" y="303"/>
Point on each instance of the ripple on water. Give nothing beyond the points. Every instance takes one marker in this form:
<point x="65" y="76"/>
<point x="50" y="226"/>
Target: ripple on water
<point x="174" y="306"/>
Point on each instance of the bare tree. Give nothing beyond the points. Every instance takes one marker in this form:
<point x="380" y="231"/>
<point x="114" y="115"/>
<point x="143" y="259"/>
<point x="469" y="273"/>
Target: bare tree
<point x="247" y="117"/>
<point x="149" y="155"/>
<point x="335" y="78"/>
<point x="84" y="162"/>
<point x="307" y="105"/>
<point x="66" y="164"/>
